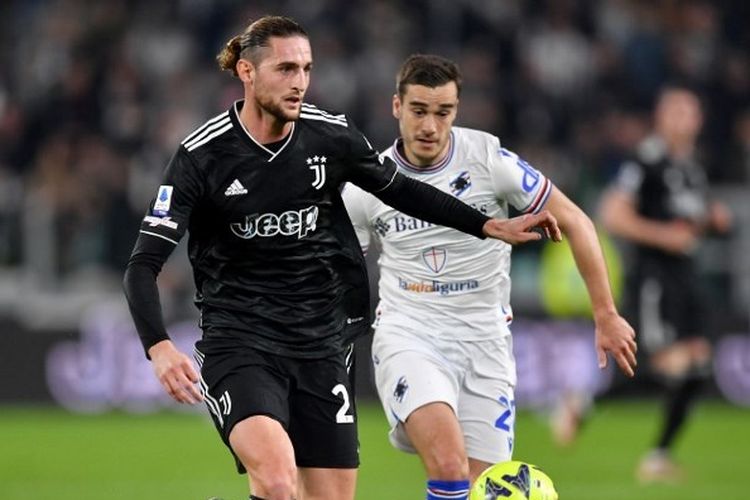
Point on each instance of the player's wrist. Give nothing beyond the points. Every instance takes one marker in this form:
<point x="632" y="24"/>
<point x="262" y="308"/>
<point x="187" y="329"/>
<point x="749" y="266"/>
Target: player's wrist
<point x="605" y="313"/>
<point x="159" y="347"/>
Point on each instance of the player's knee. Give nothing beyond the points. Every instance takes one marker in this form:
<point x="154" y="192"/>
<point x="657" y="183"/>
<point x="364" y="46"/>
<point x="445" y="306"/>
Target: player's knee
<point x="275" y="483"/>
<point x="273" y="479"/>
<point x="447" y="466"/>
<point x="672" y="363"/>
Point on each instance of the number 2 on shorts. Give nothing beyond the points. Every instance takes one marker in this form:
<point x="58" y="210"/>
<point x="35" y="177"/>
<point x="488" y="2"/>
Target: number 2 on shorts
<point x="503" y="422"/>
<point x="341" y="416"/>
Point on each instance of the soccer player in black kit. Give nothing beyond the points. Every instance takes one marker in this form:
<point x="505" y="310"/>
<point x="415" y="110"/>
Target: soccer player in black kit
<point x="280" y="279"/>
<point x="660" y="203"/>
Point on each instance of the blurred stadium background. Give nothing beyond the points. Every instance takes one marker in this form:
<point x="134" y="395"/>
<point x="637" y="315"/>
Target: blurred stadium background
<point x="96" y="95"/>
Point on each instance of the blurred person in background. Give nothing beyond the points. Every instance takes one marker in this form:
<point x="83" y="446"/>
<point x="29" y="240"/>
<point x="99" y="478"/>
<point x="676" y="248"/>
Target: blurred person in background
<point x="442" y="349"/>
<point x="280" y="277"/>
<point x="659" y="202"/>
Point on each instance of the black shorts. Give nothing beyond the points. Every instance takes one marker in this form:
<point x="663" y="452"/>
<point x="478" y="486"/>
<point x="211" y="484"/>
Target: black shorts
<point x="669" y="304"/>
<point x="313" y="399"/>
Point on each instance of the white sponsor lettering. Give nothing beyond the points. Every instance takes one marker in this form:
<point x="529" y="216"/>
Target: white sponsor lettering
<point x="289" y="223"/>
<point x="160" y="221"/>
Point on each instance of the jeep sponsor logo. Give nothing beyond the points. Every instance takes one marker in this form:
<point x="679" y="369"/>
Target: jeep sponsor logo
<point x="289" y="223"/>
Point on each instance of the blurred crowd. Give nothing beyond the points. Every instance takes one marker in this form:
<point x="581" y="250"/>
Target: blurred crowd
<point x="95" y="96"/>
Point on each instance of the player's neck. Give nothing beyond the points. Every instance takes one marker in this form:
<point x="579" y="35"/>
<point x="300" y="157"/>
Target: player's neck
<point x="264" y="127"/>
<point x="680" y="148"/>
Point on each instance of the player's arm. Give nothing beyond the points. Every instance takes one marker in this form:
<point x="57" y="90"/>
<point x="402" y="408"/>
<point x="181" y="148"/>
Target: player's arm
<point x="379" y="176"/>
<point x="620" y="217"/>
<point x="427" y="203"/>
<point x="161" y="230"/>
<point x="173" y="368"/>
<point x="613" y="334"/>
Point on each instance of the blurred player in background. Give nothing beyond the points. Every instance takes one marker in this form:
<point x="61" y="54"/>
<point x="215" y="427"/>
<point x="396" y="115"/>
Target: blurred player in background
<point x="659" y="203"/>
<point x="442" y="348"/>
<point x="280" y="277"/>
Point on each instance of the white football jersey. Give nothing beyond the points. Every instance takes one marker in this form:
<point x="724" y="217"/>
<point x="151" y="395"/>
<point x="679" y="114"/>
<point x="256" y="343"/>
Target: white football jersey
<point x="450" y="283"/>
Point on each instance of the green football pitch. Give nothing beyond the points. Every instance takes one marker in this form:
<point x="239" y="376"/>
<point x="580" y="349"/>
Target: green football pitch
<point x="48" y="454"/>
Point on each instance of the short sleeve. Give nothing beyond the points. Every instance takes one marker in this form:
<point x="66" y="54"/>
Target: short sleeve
<point x="630" y="178"/>
<point x="516" y="181"/>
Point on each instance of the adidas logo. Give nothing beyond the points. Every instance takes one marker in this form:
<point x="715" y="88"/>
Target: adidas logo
<point x="235" y="188"/>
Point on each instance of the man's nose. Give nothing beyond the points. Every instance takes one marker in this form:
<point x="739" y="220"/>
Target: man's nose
<point x="300" y="79"/>
<point x="429" y="125"/>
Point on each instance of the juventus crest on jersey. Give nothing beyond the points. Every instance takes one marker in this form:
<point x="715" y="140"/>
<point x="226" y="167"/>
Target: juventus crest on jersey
<point x="445" y="279"/>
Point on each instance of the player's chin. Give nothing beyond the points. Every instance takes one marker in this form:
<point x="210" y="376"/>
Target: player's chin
<point x="292" y="110"/>
<point x="427" y="154"/>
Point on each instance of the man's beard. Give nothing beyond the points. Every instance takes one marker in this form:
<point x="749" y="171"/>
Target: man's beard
<point x="275" y="109"/>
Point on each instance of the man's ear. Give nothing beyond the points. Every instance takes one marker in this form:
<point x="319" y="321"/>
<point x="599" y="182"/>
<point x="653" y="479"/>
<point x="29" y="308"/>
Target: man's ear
<point x="245" y="71"/>
<point x="396" y="107"/>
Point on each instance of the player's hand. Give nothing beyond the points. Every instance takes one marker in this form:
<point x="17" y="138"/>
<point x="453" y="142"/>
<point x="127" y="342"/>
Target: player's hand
<point x="176" y="372"/>
<point x="524" y="228"/>
<point x="719" y="218"/>
<point x="615" y="336"/>
<point x="679" y="237"/>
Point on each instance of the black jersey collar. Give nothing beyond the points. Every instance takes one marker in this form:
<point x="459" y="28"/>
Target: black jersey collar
<point x="235" y="115"/>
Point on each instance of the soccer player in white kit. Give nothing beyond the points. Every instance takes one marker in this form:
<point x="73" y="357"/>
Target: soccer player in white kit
<point x="442" y="348"/>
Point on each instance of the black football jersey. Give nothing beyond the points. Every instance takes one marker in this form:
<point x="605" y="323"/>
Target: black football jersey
<point x="275" y="258"/>
<point x="664" y="189"/>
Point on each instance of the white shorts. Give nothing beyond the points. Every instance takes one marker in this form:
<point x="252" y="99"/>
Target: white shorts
<point x="476" y="379"/>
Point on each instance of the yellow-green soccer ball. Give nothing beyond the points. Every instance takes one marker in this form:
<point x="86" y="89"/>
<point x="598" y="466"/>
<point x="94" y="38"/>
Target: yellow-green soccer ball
<point x="513" y="481"/>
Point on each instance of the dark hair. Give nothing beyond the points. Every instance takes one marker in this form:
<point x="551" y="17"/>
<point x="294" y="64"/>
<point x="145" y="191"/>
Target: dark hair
<point x="428" y="70"/>
<point x="255" y="37"/>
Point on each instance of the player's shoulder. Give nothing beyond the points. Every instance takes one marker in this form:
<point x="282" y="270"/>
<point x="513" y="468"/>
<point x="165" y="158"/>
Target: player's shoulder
<point x="472" y="142"/>
<point x="476" y="146"/>
<point x="318" y="117"/>
<point x="208" y="133"/>
<point x="389" y="152"/>
<point x="326" y="126"/>
<point x="651" y="152"/>
<point x="645" y="165"/>
<point x="473" y="135"/>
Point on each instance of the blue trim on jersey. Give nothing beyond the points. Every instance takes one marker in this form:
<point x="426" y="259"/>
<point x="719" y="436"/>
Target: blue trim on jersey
<point x="405" y="164"/>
